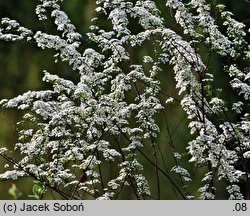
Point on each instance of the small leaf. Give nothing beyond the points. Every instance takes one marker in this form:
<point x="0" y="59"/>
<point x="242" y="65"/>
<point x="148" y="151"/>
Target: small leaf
<point x="38" y="190"/>
<point x="14" y="192"/>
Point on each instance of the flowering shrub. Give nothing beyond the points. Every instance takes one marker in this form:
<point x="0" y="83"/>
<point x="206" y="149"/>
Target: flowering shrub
<point x="74" y="132"/>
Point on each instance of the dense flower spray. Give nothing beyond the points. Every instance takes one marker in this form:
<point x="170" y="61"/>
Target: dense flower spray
<point x="105" y="118"/>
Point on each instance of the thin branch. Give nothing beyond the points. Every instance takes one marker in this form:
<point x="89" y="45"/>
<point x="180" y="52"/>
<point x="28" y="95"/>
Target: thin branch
<point x="162" y="171"/>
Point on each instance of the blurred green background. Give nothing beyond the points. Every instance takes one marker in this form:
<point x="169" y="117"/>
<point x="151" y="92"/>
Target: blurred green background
<point x="21" y="66"/>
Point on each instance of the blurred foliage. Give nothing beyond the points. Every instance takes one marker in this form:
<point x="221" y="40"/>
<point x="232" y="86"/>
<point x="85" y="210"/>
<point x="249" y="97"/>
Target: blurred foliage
<point x="38" y="190"/>
<point x="14" y="192"/>
<point x="21" y="67"/>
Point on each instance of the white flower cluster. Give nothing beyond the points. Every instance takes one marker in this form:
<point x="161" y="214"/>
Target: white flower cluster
<point x="110" y="114"/>
<point x="9" y="26"/>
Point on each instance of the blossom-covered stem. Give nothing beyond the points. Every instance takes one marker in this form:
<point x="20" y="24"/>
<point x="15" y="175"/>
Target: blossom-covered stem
<point x="153" y="144"/>
<point x="74" y="123"/>
<point x="83" y="175"/>
<point x="127" y="174"/>
<point x="84" y="171"/>
<point x="210" y="169"/>
<point x="242" y="159"/>
<point x="12" y="161"/>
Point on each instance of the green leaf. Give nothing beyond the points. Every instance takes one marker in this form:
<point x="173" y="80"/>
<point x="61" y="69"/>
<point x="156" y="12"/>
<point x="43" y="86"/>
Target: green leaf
<point x="14" y="192"/>
<point x="38" y="190"/>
